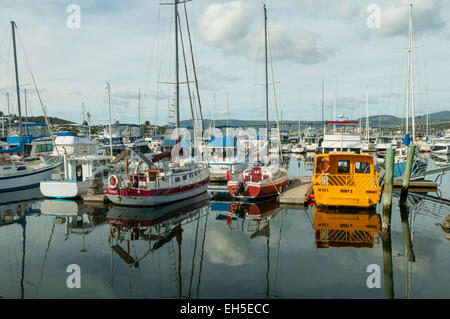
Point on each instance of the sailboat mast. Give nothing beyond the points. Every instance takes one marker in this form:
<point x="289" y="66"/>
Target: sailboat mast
<point x="323" y="105"/>
<point x="335" y="104"/>
<point x="177" y="75"/>
<point x="428" y="113"/>
<point x="267" y="79"/>
<point x="408" y="83"/>
<point x="108" y="87"/>
<point x="13" y="26"/>
<point x="367" y="114"/>
<point x="299" y="110"/>
<point x="413" y="124"/>
<point x="139" y="109"/>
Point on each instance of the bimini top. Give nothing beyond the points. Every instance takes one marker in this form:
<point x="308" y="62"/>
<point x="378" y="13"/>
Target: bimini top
<point x="227" y="141"/>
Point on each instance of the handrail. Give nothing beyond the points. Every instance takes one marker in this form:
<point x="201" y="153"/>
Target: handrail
<point x="357" y="180"/>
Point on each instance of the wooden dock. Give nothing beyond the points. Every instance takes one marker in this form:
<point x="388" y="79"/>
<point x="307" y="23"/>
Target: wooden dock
<point x="95" y="198"/>
<point x="417" y="186"/>
<point x="297" y="192"/>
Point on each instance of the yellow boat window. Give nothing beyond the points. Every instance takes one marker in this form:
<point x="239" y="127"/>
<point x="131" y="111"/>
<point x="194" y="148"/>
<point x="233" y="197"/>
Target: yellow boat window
<point x="343" y="166"/>
<point x="362" y="167"/>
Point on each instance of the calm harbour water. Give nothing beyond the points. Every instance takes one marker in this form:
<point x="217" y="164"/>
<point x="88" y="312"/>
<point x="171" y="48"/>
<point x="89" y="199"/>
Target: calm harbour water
<point x="185" y="250"/>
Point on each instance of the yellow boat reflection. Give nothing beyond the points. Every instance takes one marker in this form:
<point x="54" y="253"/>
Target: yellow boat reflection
<point x="339" y="228"/>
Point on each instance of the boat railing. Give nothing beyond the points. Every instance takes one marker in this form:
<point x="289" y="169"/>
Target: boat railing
<point x="357" y="180"/>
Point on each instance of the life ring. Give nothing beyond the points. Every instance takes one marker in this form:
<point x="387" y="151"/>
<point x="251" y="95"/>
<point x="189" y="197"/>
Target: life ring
<point x="113" y="181"/>
<point x="325" y="161"/>
<point x="114" y="232"/>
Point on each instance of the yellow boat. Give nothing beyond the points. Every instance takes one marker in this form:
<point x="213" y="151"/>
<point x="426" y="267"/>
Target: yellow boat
<point x="345" y="179"/>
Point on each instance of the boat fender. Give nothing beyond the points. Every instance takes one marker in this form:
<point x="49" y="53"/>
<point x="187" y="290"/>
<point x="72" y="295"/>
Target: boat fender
<point x="312" y="197"/>
<point x="228" y="176"/>
<point x="113" y="181"/>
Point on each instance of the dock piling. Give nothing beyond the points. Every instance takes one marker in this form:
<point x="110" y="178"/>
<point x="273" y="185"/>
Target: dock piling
<point x="388" y="186"/>
<point x="407" y="233"/>
<point x="407" y="174"/>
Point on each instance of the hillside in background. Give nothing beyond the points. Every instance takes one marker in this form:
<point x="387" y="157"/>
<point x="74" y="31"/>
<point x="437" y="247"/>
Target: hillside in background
<point x="41" y="119"/>
<point x="375" y="121"/>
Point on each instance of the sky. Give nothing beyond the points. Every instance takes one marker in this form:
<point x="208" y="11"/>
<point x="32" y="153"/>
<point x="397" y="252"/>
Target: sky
<point x="130" y="44"/>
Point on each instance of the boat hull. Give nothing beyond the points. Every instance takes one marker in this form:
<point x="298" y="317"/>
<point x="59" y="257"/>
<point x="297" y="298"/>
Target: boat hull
<point x="63" y="189"/>
<point x="138" y="197"/>
<point x="27" y="180"/>
<point x="258" y="191"/>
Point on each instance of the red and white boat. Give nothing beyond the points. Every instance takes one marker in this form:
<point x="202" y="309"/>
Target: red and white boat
<point x="156" y="182"/>
<point x="259" y="182"/>
<point x="151" y="187"/>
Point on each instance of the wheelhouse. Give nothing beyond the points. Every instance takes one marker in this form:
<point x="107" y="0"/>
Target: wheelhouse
<point x="346" y="179"/>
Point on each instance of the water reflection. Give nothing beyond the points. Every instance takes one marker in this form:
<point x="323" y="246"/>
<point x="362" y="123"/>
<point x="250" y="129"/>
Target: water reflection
<point x="197" y="248"/>
<point x="157" y="226"/>
<point x="253" y="219"/>
<point x="344" y="228"/>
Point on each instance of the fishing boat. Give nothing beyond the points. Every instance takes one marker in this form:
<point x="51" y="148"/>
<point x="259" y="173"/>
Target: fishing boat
<point x="345" y="179"/>
<point x="260" y="181"/>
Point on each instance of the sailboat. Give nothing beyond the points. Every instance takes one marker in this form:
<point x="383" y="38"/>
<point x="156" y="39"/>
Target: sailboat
<point x="16" y="174"/>
<point x="155" y="181"/>
<point x="259" y="181"/>
<point x="297" y="147"/>
<point x="401" y="152"/>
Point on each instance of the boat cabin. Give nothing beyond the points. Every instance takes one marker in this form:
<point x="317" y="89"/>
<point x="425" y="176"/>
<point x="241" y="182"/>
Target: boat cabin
<point x="345" y="179"/>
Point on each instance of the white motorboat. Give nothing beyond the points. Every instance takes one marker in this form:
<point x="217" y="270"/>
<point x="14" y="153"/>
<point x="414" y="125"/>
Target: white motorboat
<point x="78" y="171"/>
<point x="17" y="175"/>
<point x="342" y="140"/>
<point x="223" y="157"/>
<point x="441" y="146"/>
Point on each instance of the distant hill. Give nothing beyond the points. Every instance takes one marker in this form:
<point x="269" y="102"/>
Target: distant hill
<point x="41" y="119"/>
<point x="386" y="121"/>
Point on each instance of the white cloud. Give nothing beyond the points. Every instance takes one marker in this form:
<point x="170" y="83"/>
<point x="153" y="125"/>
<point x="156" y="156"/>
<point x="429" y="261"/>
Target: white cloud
<point x="233" y="28"/>
<point x="426" y="17"/>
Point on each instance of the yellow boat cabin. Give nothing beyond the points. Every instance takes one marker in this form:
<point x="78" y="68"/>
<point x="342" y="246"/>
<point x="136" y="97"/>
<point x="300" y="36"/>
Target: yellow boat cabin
<point x="345" y="179"/>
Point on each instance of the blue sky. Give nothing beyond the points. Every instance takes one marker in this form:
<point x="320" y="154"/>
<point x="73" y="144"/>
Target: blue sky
<point x="130" y="44"/>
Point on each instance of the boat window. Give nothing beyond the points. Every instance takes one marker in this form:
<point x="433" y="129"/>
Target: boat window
<point x="343" y="166"/>
<point x="184" y="177"/>
<point x="79" y="173"/>
<point x="21" y="168"/>
<point x="177" y="179"/>
<point x="362" y="167"/>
